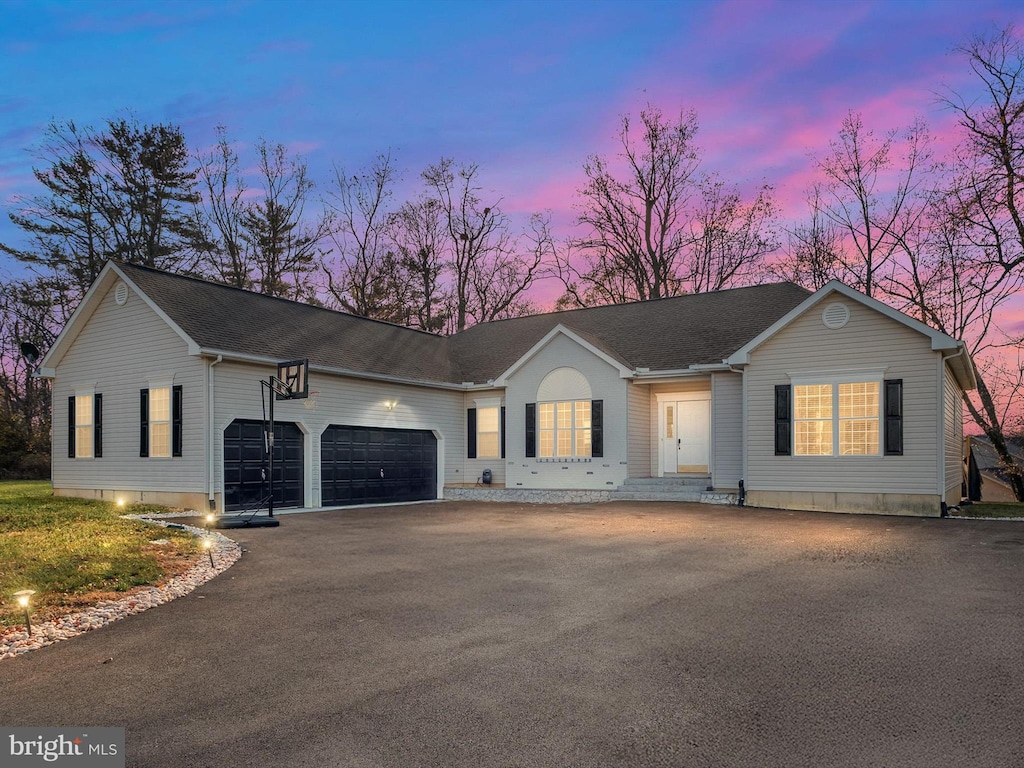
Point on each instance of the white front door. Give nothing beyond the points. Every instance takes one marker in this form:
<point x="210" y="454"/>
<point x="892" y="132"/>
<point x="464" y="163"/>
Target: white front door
<point x="685" y="436"/>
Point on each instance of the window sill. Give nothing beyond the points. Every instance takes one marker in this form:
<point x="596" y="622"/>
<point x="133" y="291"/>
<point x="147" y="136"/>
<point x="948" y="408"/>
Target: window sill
<point x="566" y="460"/>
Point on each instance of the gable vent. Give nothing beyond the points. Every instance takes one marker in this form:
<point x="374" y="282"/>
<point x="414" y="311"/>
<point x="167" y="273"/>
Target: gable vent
<point x="121" y="294"/>
<point x="836" y="315"/>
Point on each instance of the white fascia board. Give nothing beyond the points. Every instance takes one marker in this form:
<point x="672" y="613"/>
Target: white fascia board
<point x="241" y="357"/>
<point x="939" y="340"/>
<point x="624" y="372"/>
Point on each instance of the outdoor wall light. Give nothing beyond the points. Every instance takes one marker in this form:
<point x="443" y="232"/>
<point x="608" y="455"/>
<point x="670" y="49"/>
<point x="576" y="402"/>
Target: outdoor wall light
<point x="391" y="404"/>
<point x="208" y="546"/>
<point x="24" y="598"/>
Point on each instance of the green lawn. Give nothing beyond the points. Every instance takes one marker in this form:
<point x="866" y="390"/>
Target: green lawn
<point x="75" y="552"/>
<point x="992" y="509"/>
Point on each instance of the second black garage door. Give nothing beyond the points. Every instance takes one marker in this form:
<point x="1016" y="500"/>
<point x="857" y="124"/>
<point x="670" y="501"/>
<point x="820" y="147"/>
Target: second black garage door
<point x="363" y="465"/>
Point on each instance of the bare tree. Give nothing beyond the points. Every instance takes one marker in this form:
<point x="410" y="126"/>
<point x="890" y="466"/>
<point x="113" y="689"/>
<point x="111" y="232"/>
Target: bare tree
<point x="990" y="184"/>
<point x="418" y="236"/>
<point x="813" y="253"/>
<point x="873" y="196"/>
<point x="285" y="244"/>
<point x="636" y="228"/>
<point x="367" y="278"/>
<point x="983" y="200"/>
<point x="224" y="206"/>
<point x="729" y="238"/>
<point x="490" y="277"/>
<point x="655" y="227"/>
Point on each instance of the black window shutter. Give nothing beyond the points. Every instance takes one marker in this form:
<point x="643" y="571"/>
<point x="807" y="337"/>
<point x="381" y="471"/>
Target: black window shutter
<point x="531" y="430"/>
<point x="471" y="433"/>
<point x="597" y="428"/>
<point x="97" y="426"/>
<point x="783" y="420"/>
<point x="143" y="422"/>
<point x="894" y="417"/>
<point x="502" y="428"/>
<point x="176" y="432"/>
<point x="71" y="427"/>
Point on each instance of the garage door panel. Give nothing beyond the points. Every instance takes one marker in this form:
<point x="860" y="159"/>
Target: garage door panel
<point x="352" y="458"/>
<point x="244" y="464"/>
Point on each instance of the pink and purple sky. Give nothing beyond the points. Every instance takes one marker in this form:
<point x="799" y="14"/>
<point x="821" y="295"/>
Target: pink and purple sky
<point x="525" y="89"/>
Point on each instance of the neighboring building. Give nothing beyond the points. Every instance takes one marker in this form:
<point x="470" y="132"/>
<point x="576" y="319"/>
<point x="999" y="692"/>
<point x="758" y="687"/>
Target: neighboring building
<point x="995" y="483"/>
<point x="828" y="401"/>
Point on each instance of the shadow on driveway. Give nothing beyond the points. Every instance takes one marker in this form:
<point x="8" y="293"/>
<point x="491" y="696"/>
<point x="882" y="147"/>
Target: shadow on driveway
<point x="460" y="634"/>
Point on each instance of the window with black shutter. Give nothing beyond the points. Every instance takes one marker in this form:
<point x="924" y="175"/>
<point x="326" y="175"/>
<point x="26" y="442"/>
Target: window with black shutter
<point x="176" y="421"/>
<point x="783" y="420"/>
<point x="97" y="426"/>
<point x="597" y="428"/>
<point x="471" y="433"/>
<point x="531" y="430"/>
<point x="144" y="423"/>
<point x="894" y="417"/>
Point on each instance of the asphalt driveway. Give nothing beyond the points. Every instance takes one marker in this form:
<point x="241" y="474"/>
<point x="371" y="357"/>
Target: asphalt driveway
<point x="457" y="634"/>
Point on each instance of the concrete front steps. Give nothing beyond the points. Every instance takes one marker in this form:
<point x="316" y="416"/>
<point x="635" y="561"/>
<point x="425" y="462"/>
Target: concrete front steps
<point x="677" y="488"/>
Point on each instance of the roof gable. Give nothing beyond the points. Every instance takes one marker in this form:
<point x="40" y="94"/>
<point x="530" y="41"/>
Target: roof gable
<point x="560" y="330"/>
<point x="106" y="279"/>
<point x="939" y="341"/>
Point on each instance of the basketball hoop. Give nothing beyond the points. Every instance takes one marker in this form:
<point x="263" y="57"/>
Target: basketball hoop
<point x="293" y="380"/>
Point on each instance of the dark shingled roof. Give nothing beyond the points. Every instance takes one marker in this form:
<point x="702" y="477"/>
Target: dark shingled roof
<point x="665" y="334"/>
<point x="224" y="318"/>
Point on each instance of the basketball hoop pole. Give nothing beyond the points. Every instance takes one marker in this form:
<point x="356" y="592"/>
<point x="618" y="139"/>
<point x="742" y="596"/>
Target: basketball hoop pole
<point x="276" y="387"/>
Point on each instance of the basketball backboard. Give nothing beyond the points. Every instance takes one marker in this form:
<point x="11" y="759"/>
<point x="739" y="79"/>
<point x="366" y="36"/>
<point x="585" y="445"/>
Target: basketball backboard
<point x="293" y="374"/>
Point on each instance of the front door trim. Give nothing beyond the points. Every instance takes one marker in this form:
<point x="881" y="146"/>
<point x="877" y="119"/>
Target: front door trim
<point x="672" y="397"/>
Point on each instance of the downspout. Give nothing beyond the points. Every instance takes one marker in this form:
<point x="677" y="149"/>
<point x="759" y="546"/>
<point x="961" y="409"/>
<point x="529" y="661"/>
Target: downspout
<point x="211" y="469"/>
<point x="741" y="499"/>
<point x="944" y="359"/>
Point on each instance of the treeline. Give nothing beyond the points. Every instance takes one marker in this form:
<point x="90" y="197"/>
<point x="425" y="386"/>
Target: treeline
<point x="940" y="237"/>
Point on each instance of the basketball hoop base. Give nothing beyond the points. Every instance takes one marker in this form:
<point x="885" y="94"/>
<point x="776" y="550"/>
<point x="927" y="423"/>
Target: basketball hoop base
<point x="242" y="522"/>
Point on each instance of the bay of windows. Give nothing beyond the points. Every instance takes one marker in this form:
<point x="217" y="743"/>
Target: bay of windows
<point x="836" y="419"/>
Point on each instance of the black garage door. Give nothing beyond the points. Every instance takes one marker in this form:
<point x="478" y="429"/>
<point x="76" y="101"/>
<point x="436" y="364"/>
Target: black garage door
<point x="362" y="465"/>
<point x="244" y="462"/>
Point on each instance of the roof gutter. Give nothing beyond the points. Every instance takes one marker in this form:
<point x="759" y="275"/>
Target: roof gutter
<point x="260" y="360"/>
<point x="964" y="363"/>
<point x="701" y="369"/>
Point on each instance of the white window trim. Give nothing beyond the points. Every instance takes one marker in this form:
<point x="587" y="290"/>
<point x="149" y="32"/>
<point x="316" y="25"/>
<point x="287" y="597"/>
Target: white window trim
<point x="844" y="376"/>
<point x="168" y="384"/>
<point x="481" y="405"/>
<point x="89" y="392"/>
<point x="554" y="430"/>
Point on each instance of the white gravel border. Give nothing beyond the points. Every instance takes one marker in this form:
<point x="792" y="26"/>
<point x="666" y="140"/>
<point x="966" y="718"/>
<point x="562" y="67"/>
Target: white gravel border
<point x="225" y="553"/>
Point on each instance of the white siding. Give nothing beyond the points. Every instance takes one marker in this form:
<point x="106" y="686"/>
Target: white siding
<point x="604" y="472"/>
<point x="869" y="340"/>
<point x="953" y="431"/>
<point x="639" y="449"/>
<point x="118" y="351"/>
<point x="727" y="429"/>
<point x="340" y="400"/>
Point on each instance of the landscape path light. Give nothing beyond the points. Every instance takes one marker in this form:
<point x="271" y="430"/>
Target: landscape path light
<point x="208" y="546"/>
<point x="24" y="597"/>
